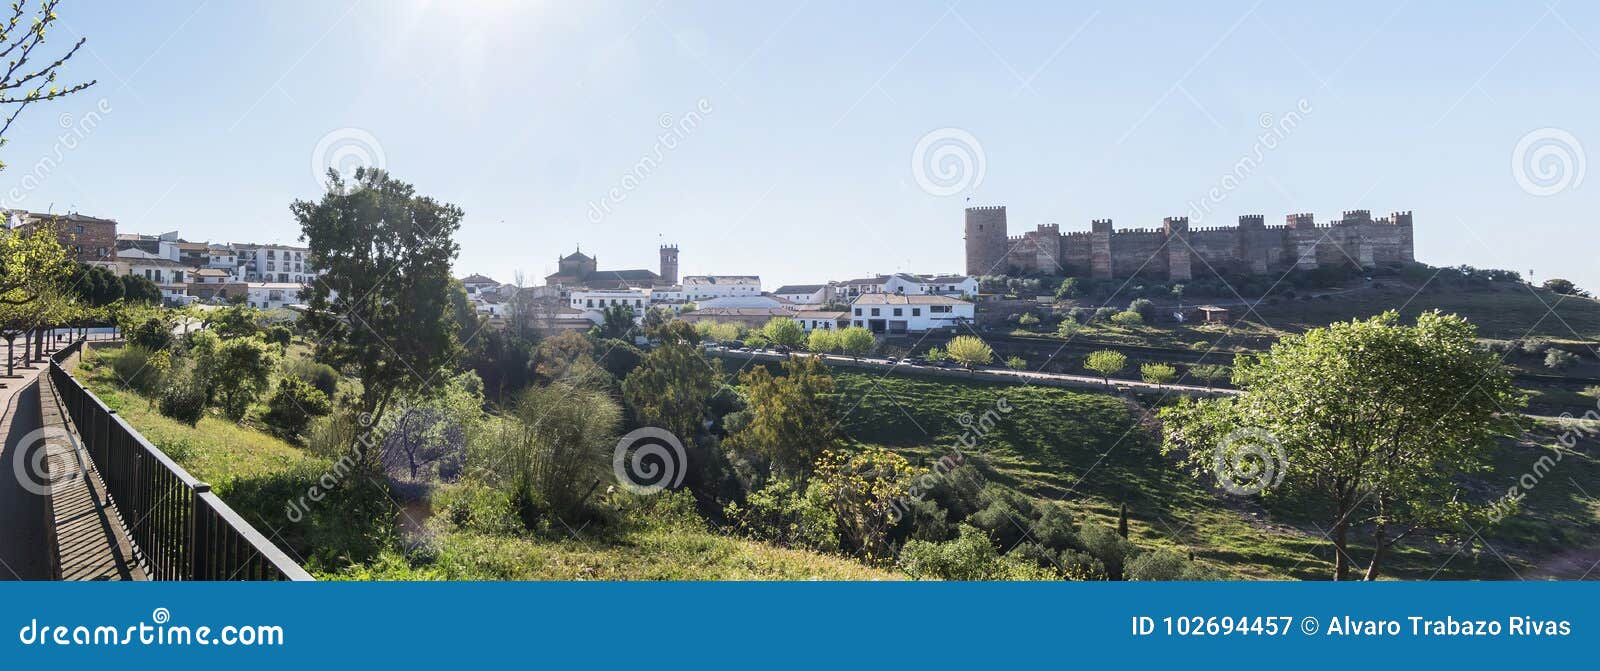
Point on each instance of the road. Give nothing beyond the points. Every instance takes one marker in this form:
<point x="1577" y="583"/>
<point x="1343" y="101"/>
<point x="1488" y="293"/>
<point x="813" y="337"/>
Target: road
<point x="988" y="373"/>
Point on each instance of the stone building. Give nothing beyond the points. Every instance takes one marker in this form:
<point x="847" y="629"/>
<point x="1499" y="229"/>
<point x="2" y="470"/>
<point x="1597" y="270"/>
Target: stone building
<point x="87" y="239"/>
<point x="579" y="270"/>
<point x="1177" y="252"/>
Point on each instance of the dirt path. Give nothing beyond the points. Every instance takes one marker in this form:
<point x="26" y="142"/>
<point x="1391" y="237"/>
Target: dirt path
<point x="1576" y="564"/>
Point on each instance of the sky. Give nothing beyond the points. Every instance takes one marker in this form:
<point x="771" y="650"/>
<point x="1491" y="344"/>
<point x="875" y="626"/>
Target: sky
<point x="817" y="141"/>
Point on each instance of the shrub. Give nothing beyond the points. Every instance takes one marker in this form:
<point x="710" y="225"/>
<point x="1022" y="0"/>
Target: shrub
<point x="1016" y="363"/>
<point x="1028" y="319"/>
<point x="1157" y="373"/>
<point x="864" y="491"/>
<point x="139" y="369"/>
<point x="1103" y="315"/>
<point x="1164" y="564"/>
<point x="969" y="557"/>
<point x="293" y="406"/>
<point x="1068" y="327"/>
<point x="320" y="376"/>
<point x="236" y="371"/>
<point x="1145" y="308"/>
<point x="279" y="335"/>
<point x="1127" y="319"/>
<point x="781" y="515"/>
<point x="969" y="351"/>
<point x="1559" y="359"/>
<point x="476" y="507"/>
<point x="1535" y="346"/>
<point x="183" y="398"/>
<point x="1107" y="546"/>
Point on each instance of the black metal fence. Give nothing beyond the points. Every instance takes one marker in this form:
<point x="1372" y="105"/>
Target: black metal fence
<point x="181" y="530"/>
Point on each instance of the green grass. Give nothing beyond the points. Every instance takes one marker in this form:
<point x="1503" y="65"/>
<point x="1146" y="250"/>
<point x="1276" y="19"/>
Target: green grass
<point x="1502" y="313"/>
<point x="1095" y="451"/>
<point x="352" y="535"/>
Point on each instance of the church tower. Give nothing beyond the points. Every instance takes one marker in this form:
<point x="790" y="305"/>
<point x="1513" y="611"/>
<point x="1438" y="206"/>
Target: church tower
<point x="669" y="264"/>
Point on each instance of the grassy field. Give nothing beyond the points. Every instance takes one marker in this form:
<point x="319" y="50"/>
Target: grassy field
<point x="1503" y="313"/>
<point x="1095" y="451"/>
<point x="354" y="534"/>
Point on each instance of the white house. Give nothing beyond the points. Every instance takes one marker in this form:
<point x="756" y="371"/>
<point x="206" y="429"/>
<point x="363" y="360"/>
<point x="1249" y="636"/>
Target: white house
<point x="476" y="284"/>
<point x="852" y="289"/>
<point x="170" y="276"/>
<point x="700" y="287"/>
<point x="599" y="299"/>
<point x="942" y="285"/>
<point x="756" y="301"/>
<point x="804" y="294"/>
<point x="275" y="264"/>
<point x="812" y="320"/>
<point x="900" y="313"/>
<point x="269" y="295"/>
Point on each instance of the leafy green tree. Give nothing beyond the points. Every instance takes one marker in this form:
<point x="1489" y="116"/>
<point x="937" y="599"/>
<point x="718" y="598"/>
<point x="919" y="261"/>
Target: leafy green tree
<point x="1210" y="373"/>
<point x="1016" y="363"/>
<point x="671" y="387"/>
<point x="865" y="489"/>
<point x="1106" y="362"/>
<point x="96" y="285"/>
<point x="565" y="355"/>
<point x="936" y="354"/>
<point x="791" y="416"/>
<point x="237" y="371"/>
<point x="1070" y="287"/>
<point x="1068" y="327"/>
<point x="856" y="341"/>
<point x="969" y="351"/>
<point x="616" y="321"/>
<point x="233" y="321"/>
<point x="382" y="304"/>
<point x="1157" y="373"/>
<point x="1563" y="286"/>
<point x="785" y="332"/>
<point x="139" y="289"/>
<point x="822" y="341"/>
<point x="292" y="407"/>
<point x="1380" y="419"/>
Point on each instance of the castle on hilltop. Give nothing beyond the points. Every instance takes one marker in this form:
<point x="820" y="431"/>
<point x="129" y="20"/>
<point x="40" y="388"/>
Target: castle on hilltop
<point x="1175" y="250"/>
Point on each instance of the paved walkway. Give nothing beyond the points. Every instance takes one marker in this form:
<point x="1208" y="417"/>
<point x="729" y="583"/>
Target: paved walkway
<point x="24" y="534"/>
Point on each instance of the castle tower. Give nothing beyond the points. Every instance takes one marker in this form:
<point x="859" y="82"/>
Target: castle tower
<point x="1252" y="250"/>
<point x="986" y="240"/>
<point x="1301" y="240"/>
<point x="1100" y="248"/>
<point x="1177" y="230"/>
<point x="669" y="264"/>
<point x="1402" y="220"/>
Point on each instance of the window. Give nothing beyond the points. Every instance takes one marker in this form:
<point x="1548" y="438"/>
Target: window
<point x="858" y="322"/>
<point x="897" y="312"/>
<point x="591" y="303"/>
<point x="938" y="308"/>
<point x="916" y="312"/>
<point x="874" y="312"/>
<point x="858" y="312"/>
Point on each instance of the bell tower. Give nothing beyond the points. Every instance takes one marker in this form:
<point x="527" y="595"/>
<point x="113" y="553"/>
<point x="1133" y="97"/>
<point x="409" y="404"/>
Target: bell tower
<point x="669" y="264"/>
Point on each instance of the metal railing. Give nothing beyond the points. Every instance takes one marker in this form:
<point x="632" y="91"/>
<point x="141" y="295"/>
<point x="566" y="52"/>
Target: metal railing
<point x="181" y="530"/>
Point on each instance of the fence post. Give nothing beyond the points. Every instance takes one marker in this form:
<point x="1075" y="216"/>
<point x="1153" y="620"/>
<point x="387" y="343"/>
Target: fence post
<point x="199" y="534"/>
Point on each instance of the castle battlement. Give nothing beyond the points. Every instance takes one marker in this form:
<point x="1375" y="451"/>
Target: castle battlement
<point x="1251" y="246"/>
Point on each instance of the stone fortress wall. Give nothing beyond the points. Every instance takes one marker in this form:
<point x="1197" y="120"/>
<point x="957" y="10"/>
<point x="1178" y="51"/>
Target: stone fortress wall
<point x="1177" y="252"/>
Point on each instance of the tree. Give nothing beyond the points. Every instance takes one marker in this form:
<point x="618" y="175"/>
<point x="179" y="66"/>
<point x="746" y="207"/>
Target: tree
<point x="565" y="355"/>
<point x="96" y="285"/>
<point x="1127" y="319"/>
<point x="935" y="354"/>
<point x="237" y="370"/>
<point x="293" y="405"/>
<point x="233" y="321"/>
<point x="1068" y="327"/>
<point x="616" y="321"/>
<point x="1069" y="288"/>
<point x="822" y="341"/>
<point x="785" y="332"/>
<point x="1379" y="419"/>
<point x="24" y="84"/>
<point x="1016" y="363"/>
<point x="865" y="490"/>
<point x="969" y="351"/>
<point x="1145" y="308"/>
<point x="856" y="341"/>
<point x="670" y="388"/>
<point x="1563" y="286"/>
<point x="1210" y="373"/>
<point x="426" y="439"/>
<point x="139" y="289"/>
<point x="1157" y="373"/>
<point x="791" y="416"/>
<point x="1106" y="362"/>
<point x="382" y="304"/>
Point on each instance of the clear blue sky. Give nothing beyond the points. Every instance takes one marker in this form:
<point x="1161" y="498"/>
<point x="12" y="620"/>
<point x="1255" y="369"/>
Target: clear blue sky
<point x="526" y="113"/>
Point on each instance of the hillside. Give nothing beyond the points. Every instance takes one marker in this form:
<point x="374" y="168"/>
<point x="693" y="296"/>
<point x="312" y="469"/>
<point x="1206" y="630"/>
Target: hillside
<point x="1089" y="451"/>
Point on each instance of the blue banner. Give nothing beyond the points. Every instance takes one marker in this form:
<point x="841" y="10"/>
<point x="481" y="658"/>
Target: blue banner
<point x="817" y="625"/>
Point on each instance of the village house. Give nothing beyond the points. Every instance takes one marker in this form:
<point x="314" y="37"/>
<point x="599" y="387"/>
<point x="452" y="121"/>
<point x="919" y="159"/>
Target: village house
<point x="899" y="313"/>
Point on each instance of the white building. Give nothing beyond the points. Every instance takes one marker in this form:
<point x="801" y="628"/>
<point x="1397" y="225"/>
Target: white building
<point x="899" y="313"/>
<point x="942" y="285"/>
<point x="756" y="301"/>
<point x="222" y="257"/>
<point x="170" y="276"/>
<point x="275" y="264"/>
<point x="812" y="320"/>
<point x="600" y="299"/>
<point x="270" y="295"/>
<point x="849" y="290"/>
<point x="700" y="287"/>
<point x="477" y="284"/>
<point x="804" y="294"/>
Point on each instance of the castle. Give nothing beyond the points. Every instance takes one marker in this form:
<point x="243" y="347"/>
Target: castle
<point x="1175" y="251"/>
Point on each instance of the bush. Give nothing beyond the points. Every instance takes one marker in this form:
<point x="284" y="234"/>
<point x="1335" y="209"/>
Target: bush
<point x="1535" y="346"/>
<point x="279" y="335"/>
<point x="475" y="507"/>
<point x="1145" y="308"/>
<point x="321" y="376"/>
<point x="1103" y="315"/>
<point x="140" y="369"/>
<point x="1165" y="564"/>
<point x="1107" y="546"/>
<point x="184" y="399"/>
<point x="293" y="406"/>
<point x="1027" y="319"/>
<point x="969" y="557"/>
<point x="1559" y="359"/>
<point x="1016" y="363"/>
<point x="1127" y="319"/>
<point x="778" y="514"/>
